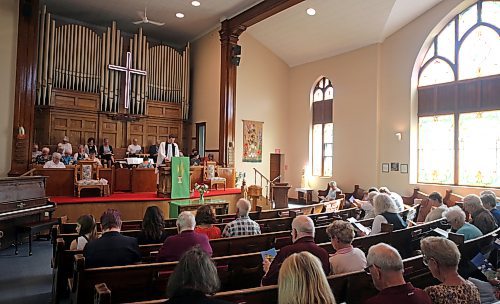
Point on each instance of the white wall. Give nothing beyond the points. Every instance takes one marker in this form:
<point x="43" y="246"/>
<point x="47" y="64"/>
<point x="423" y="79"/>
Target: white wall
<point x="8" y="49"/>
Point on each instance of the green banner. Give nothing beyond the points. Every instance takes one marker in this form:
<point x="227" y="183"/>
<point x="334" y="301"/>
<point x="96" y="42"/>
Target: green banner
<point x="180" y="177"/>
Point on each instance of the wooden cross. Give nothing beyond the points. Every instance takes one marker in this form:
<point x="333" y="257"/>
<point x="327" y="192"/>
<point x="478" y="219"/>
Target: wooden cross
<point x="128" y="70"/>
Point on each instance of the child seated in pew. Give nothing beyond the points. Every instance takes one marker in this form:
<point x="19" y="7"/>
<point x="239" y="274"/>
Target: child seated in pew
<point x="194" y="278"/>
<point x="153" y="227"/>
<point x="87" y="231"/>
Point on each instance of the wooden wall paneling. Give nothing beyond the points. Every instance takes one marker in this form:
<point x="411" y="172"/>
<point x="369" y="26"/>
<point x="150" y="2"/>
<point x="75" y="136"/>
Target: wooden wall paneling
<point x="446" y="99"/>
<point x="78" y="126"/>
<point x="426" y="101"/>
<point x="490" y="90"/>
<point x="75" y="100"/>
<point x="137" y="130"/>
<point x="60" y="182"/>
<point x="164" y="110"/>
<point x="469" y="93"/>
<point x="143" y="180"/>
<point x="123" y="179"/>
<point x="42" y="127"/>
<point x="111" y="129"/>
<point x="229" y="174"/>
<point x="109" y="175"/>
<point x="24" y="102"/>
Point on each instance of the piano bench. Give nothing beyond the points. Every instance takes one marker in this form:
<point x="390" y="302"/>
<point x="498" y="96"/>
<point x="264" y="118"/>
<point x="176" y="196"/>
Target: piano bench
<point x="33" y="228"/>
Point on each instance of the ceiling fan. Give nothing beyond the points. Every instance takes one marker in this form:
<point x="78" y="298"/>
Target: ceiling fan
<point x="145" y="19"/>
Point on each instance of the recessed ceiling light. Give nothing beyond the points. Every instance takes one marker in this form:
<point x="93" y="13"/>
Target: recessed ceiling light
<point x="195" y="3"/>
<point x="179" y="15"/>
<point x="311" y="11"/>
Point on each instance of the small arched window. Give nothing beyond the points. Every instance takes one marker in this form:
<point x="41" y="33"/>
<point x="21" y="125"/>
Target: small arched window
<point x="322" y="128"/>
<point x="459" y="101"/>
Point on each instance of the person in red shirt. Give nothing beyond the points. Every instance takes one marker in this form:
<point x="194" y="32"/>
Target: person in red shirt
<point x="205" y="218"/>
<point x="386" y="268"/>
<point x="303" y="240"/>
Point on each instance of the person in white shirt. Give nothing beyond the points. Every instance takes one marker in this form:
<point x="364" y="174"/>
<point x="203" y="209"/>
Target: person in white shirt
<point x="436" y="213"/>
<point x="55" y="162"/>
<point x="332" y="192"/>
<point x="35" y="153"/>
<point x="66" y="145"/>
<point x="398" y="200"/>
<point x="168" y="150"/>
<point x="134" y="148"/>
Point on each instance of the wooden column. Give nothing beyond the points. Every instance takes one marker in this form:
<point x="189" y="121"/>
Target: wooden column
<point x="230" y="31"/>
<point x="24" y="103"/>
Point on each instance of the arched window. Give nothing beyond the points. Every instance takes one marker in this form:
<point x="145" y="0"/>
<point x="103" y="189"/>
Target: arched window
<point x="459" y="101"/>
<point x="322" y="128"/>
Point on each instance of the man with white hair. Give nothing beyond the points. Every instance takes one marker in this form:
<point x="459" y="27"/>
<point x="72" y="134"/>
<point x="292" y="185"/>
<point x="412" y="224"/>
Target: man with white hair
<point x="66" y="146"/>
<point x="386" y="268"/>
<point x="455" y="216"/>
<point x="398" y="200"/>
<point x="55" y="162"/>
<point x="303" y="240"/>
<point x="175" y="246"/>
<point x="44" y="157"/>
<point x="243" y="224"/>
<point x="481" y="218"/>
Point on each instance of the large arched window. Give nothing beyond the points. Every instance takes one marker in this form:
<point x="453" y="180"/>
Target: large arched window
<point x="459" y="101"/>
<point x="322" y="128"/>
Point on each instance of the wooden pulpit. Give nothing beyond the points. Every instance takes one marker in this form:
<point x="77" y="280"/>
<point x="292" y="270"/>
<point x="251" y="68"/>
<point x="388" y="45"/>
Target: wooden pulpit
<point x="164" y="181"/>
<point x="280" y="195"/>
<point x="254" y="193"/>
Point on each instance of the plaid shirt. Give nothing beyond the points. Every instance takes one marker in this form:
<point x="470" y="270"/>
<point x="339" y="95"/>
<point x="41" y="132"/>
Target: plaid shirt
<point x="241" y="226"/>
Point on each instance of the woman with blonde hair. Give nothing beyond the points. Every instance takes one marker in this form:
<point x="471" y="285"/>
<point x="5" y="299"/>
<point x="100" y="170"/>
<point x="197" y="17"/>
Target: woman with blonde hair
<point x="303" y="281"/>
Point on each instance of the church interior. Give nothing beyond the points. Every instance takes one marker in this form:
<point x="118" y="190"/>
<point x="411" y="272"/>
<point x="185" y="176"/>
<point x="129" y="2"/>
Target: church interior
<point x="277" y="113"/>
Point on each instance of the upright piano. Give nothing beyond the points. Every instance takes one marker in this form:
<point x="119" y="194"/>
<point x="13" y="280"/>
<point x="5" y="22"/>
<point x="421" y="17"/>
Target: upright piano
<point x="22" y="199"/>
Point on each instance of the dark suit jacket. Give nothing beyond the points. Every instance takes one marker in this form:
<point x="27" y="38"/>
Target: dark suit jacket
<point x="175" y="246"/>
<point x="303" y="244"/>
<point x="111" y="249"/>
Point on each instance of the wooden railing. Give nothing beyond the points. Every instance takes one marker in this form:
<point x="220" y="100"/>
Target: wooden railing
<point x="268" y="183"/>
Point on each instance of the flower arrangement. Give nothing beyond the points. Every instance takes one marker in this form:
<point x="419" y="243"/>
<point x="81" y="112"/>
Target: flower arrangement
<point x="201" y="188"/>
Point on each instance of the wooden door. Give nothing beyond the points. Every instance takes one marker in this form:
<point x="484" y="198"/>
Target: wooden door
<point x="277" y="166"/>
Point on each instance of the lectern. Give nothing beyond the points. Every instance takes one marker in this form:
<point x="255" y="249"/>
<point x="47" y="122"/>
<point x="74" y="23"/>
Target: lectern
<point x="164" y="181"/>
<point x="280" y="195"/>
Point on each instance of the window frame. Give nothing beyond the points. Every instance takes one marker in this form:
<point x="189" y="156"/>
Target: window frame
<point x="322" y="114"/>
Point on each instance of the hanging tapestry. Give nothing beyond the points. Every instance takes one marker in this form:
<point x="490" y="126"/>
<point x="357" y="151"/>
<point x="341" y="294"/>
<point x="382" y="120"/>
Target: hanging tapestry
<point x="180" y="177"/>
<point x="252" y="141"/>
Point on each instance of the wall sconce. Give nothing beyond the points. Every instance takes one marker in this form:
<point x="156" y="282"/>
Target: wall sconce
<point x="398" y="136"/>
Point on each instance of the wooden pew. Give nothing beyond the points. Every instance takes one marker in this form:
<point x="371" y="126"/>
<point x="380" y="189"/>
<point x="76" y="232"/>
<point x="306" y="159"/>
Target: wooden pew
<point x="354" y="287"/>
<point x="451" y="199"/>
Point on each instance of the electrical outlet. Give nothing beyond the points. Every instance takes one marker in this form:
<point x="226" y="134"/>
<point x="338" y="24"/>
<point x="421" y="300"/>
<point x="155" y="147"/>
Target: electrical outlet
<point x="46" y="214"/>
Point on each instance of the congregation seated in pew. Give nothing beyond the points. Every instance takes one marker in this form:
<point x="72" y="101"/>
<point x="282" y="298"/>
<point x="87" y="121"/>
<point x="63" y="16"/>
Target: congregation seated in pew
<point x="481" y="218"/>
<point x="303" y="240"/>
<point x="489" y="200"/>
<point x="106" y="152"/>
<point x="242" y="225"/>
<point x="436" y="201"/>
<point x="55" y="162"/>
<point x="153" y="225"/>
<point x="44" y="156"/>
<point x="66" y="146"/>
<point x="332" y="192"/>
<point x="176" y="245"/>
<point x="303" y="281"/>
<point x="134" y="148"/>
<point x="455" y="216"/>
<point x="346" y="258"/>
<point x="442" y="257"/>
<point x="90" y="146"/>
<point x="205" y="220"/>
<point x="386" y="269"/>
<point x="87" y="231"/>
<point x="80" y="155"/>
<point x="398" y="200"/>
<point x="194" y="278"/>
<point x="112" y="248"/>
<point x="35" y="153"/>
<point x="384" y="207"/>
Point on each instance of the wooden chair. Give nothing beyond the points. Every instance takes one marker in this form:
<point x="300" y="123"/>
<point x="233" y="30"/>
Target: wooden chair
<point x="87" y="176"/>
<point x="210" y="175"/>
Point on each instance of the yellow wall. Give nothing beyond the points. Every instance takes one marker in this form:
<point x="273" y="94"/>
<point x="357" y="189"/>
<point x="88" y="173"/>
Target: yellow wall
<point x="8" y="48"/>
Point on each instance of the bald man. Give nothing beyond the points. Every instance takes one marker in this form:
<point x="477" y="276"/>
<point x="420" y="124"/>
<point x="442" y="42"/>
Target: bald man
<point x="386" y="268"/>
<point x="243" y="224"/>
<point x="303" y="240"/>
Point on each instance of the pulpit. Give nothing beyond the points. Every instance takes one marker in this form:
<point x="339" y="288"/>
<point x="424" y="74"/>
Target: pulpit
<point x="164" y="181"/>
<point x="280" y="195"/>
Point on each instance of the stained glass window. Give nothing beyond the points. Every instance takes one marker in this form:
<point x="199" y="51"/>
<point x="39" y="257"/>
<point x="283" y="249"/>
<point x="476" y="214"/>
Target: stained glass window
<point x="435" y="149"/>
<point x="461" y="147"/>
<point x="438" y="71"/>
<point x="479" y="149"/>
<point x="322" y="129"/>
<point x="479" y="54"/>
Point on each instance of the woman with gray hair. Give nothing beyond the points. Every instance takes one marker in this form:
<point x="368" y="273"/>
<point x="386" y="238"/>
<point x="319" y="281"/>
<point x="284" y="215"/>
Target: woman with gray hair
<point x="383" y="206"/>
<point x="481" y="218"/>
<point x="332" y="192"/>
<point x="346" y="258"/>
<point x="194" y="277"/>
<point x="456" y="218"/>
<point x="442" y="257"/>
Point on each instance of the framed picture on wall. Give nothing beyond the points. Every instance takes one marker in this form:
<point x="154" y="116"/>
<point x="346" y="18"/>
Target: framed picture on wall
<point x="394" y="166"/>
<point x="404" y="168"/>
<point x="385" y="167"/>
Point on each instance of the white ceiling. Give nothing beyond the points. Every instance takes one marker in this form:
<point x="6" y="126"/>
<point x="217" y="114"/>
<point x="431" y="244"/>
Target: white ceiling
<point x="338" y="26"/>
<point x="176" y="32"/>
